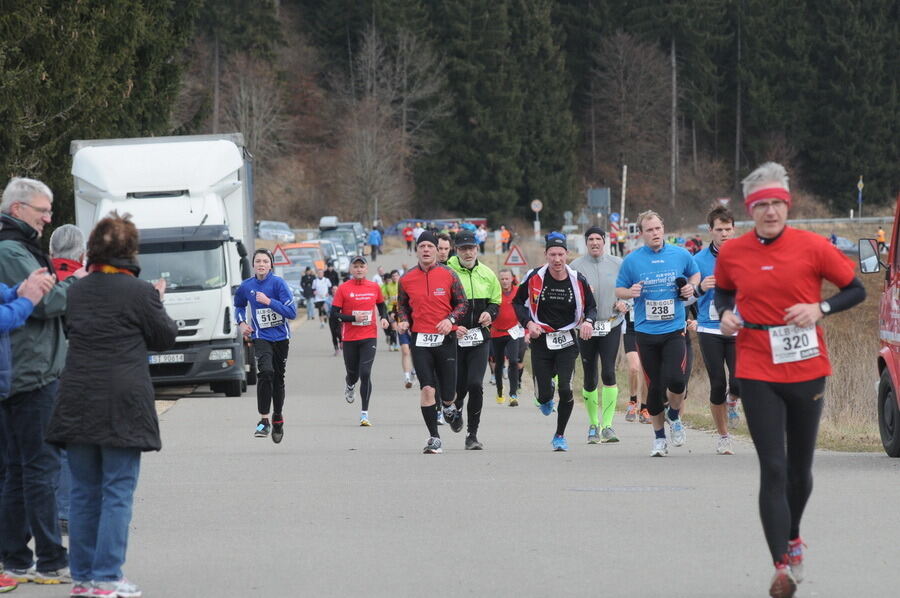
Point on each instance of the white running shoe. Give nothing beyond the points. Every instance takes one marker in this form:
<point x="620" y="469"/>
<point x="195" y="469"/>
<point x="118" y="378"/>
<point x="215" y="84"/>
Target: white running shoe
<point x="349" y="392"/>
<point x="433" y="447"/>
<point x="676" y="430"/>
<point x="723" y="446"/>
<point x="660" y="448"/>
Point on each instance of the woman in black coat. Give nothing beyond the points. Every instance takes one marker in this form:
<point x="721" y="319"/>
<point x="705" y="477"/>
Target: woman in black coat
<point x="105" y="414"/>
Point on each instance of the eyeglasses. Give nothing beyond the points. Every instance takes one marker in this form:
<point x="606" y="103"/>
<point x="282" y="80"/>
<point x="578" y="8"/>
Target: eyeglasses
<point x="765" y="204"/>
<point x="44" y="211"/>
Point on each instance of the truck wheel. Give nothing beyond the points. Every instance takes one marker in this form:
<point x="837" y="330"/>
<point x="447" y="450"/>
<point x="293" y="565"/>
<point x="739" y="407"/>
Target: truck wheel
<point x="251" y="362"/>
<point x="216" y="387"/>
<point x="888" y="415"/>
<point x="232" y="388"/>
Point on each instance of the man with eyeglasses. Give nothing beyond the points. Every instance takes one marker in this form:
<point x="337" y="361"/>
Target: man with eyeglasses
<point x="28" y="504"/>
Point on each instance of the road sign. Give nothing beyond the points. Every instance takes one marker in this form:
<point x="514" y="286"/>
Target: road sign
<point x="536" y="205"/>
<point x="281" y="258"/>
<point x="860" y="185"/>
<point x="515" y="257"/>
<point x="614" y="217"/>
<point x="723" y="201"/>
<point x="598" y="199"/>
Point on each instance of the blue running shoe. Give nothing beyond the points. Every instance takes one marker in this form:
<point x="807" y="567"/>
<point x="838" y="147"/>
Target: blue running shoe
<point x="546" y="408"/>
<point x="559" y="443"/>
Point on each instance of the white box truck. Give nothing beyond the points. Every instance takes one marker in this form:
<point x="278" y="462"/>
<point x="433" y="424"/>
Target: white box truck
<point x="191" y="199"/>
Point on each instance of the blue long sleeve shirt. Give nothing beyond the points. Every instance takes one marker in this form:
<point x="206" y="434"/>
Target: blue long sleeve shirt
<point x="269" y="322"/>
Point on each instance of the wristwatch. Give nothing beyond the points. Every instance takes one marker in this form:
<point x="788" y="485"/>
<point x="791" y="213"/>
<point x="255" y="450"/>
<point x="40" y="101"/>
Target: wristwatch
<point x="452" y="320"/>
<point x="825" y="307"/>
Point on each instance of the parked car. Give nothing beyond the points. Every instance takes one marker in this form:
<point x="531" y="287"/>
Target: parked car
<point x="272" y="230"/>
<point x="302" y="256"/>
<point x="334" y="251"/>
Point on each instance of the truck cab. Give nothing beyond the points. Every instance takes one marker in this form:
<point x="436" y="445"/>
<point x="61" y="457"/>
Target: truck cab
<point x="873" y="257"/>
<point x="191" y="200"/>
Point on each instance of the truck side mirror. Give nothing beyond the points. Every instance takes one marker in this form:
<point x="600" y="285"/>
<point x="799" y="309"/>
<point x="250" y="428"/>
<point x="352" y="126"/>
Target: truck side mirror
<point x="868" y="256"/>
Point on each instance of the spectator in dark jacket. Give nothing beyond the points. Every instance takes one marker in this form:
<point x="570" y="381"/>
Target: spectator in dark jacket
<point x="306" y="285"/>
<point x="105" y="415"/>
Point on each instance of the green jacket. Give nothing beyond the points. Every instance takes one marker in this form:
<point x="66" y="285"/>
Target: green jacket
<point x="482" y="287"/>
<point x="390" y="291"/>
<point x="38" y="347"/>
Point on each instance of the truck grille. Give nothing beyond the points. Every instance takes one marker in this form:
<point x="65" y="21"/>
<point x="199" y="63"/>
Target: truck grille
<point x="170" y="369"/>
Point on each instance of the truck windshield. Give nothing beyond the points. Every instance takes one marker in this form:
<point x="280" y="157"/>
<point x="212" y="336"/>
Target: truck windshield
<point x="344" y="236"/>
<point x="187" y="270"/>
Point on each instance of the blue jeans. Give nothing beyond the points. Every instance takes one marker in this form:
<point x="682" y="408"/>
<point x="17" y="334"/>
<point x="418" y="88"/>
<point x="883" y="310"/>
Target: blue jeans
<point x="103" y="483"/>
<point x="64" y="487"/>
<point x="28" y="505"/>
<point x="310" y="308"/>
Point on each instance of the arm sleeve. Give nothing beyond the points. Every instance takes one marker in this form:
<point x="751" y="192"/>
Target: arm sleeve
<point x="850" y="295"/>
<point x="382" y="311"/>
<point x="284" y="303"/>
<point x="402" y="303"/>
<point x="520" y="303"/>
<point x="724" y="299"/>
<point x="590" y="304"/>
<point x="335" y="314"/>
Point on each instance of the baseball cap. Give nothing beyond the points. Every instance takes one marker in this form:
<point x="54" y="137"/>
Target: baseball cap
<point x="465" y="238"/>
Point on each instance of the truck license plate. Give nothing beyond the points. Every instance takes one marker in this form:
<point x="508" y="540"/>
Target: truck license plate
<point x="169" y="358"/>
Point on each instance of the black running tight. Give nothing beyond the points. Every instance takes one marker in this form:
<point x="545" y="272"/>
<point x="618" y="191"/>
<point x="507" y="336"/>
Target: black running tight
<point x="664" y="358"/>
<point x="545" y="363"/>
<point x="783" y="419"/>
<point x="358" y="359"/>
<point x="718" y="352"/>
<point x="606" y="348"/>
<point x="506" y="346"/>
<point x="471" y="362"/>
<point x="436" y="367"/>
<point x="271" y="360"/>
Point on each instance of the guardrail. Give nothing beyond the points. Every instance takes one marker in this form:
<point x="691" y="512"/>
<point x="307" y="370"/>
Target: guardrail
<point x="884" y="220"/>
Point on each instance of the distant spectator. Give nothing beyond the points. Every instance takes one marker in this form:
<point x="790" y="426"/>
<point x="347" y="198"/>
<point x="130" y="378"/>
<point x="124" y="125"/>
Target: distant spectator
<point x="105" y="414"/>
<point x="409" y="238"/>
<point x="880" y="238"/>
<point x="621" y="237"/>
<point x="481" y="236"/>
<point x="374" y="243"/>
<point x="418" y="230"/>
<point x="67" y="250"/>
<point x="306" y="287"/>
<point x="505" y="237"/>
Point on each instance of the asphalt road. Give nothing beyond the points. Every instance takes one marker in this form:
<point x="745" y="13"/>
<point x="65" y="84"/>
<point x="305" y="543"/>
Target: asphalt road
<point x="339" y="510"/>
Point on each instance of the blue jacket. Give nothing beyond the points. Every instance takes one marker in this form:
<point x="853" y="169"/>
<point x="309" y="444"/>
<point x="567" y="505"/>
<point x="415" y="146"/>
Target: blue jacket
<point x="14" y="310"/>
<point x="374" y="237"/>
<point x="269" y="322"/>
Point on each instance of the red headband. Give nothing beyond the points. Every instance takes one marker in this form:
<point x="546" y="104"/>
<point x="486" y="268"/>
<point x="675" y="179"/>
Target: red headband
<point x="767" y="193"/>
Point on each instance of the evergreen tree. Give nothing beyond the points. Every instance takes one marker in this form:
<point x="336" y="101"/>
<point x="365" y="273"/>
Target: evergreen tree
<point x="547" y="129"/>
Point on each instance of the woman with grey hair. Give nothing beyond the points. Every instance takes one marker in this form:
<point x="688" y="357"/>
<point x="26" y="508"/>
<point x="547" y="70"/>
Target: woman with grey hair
<point x="67" y="250"/>
<point x="775" y="274"/>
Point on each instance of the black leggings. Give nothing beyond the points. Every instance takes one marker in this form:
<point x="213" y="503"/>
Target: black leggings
<point x="665" y="361"/>
<point x="471" y="364"/>
<point x="718" y="352"/>
<point x="783" y="415"/>
<point x="358" y="359"/>
<point x="546" y="363"/>
<point x="436" y="366"/>
<point x="336" y="327"/>
<point x="606" y="348"/>
<point x="271" y="359"/>
<point x="504" y="346"/>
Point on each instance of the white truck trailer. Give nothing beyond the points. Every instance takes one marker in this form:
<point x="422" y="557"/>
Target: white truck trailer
<point x="191" y="199"/>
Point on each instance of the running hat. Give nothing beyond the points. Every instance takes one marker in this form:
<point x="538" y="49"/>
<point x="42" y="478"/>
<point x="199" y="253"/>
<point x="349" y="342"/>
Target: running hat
<point x="555" y="239"/>
<point x="427" y="236"/>
<point x="594" y="230"/>
<point x="359" y="258"/>
<point x="465" y="238"/>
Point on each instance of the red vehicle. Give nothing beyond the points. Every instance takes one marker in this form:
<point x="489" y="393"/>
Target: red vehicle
<point x="888" y="401"/>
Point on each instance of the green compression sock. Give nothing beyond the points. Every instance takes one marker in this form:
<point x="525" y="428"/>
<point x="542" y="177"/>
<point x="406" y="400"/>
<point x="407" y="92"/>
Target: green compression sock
<point x="591" y="403"/>
<point x="609" y="397"/>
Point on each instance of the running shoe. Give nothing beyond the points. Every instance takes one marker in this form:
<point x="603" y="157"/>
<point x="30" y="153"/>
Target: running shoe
<point x="81" y="589"/>
<point x="440" y="418"/>
<point x="795" y="558"/>
<point x="493" y="380"/>
<point x="559" y="443"/>
<point x="349" y="392"/>
<point x="21" y="575"/>
<point x="513" y="401"/>
<point x="593" y="435"/>
<point x="433" y="447"/>
<point x="55" y="577"/>
<point x="723" y="446"/>
<point x="546" y="408"/>
<point x="277" y="430"/>
<point x="644" y="416"/>
<point x="116" y="589"/>
<point x="453" y="417"/>
<point x="407" y="380"/>
<point x="364" y="420"/>
<point x="783" y="583"/>
<point x="660" y="448"/>
<point x="676" y="430"/>
<point x="500" y="400"/>
<point x="607" y="434"/>
<point x="262" y="428"/>
<point x="734" y="418"/>
<point x="472" y="443"/>
<point x="631" y="411"/>
<point x="8" y="584"/>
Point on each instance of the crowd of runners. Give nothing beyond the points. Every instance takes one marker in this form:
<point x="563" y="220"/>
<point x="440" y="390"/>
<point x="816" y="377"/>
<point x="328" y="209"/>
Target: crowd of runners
<point x="753" y="301"/>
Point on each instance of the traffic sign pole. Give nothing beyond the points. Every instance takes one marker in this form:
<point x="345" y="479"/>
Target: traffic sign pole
<point x="536" y="207"/>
